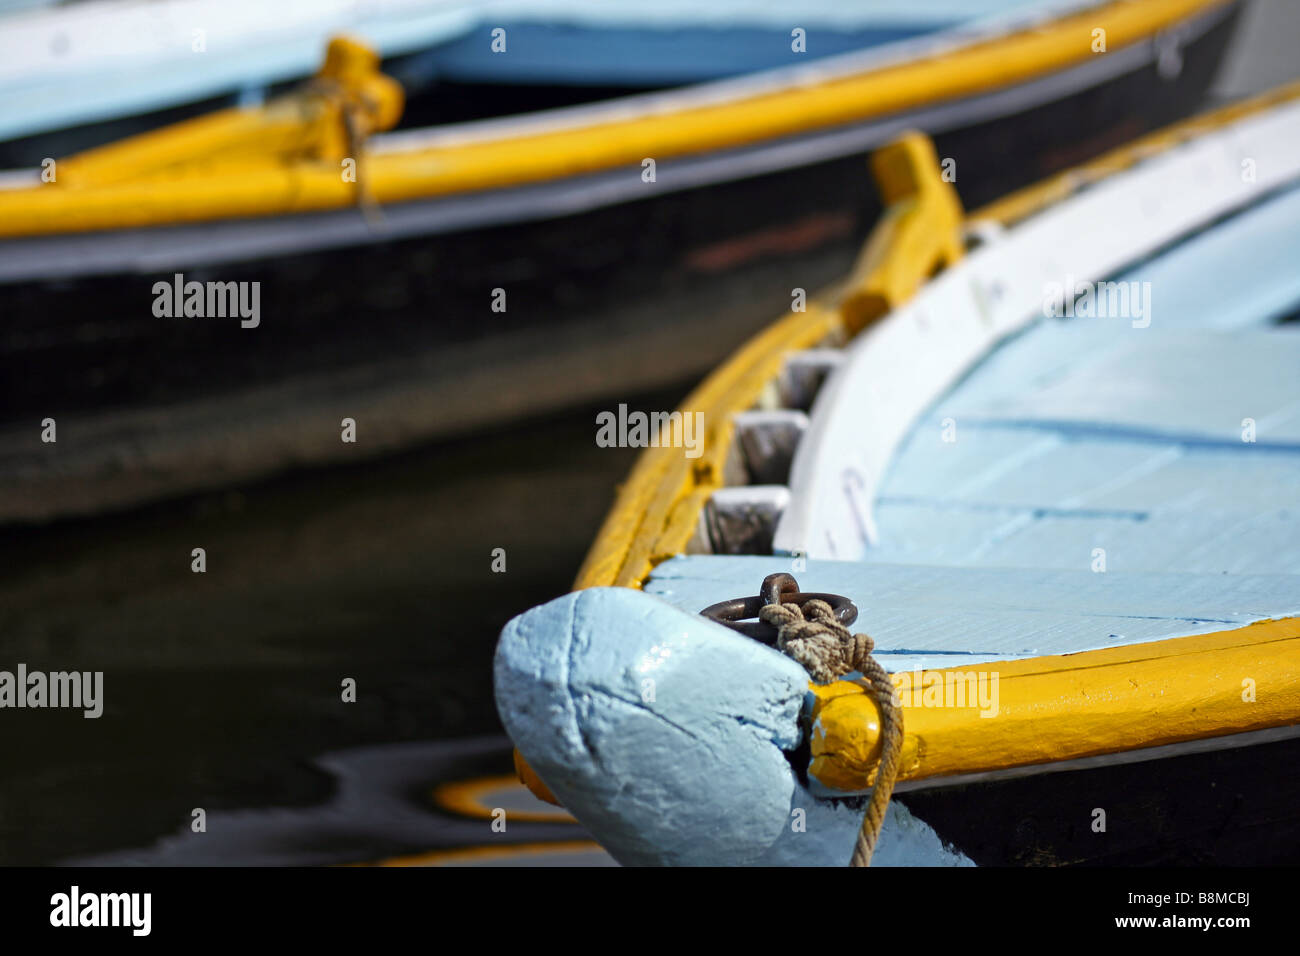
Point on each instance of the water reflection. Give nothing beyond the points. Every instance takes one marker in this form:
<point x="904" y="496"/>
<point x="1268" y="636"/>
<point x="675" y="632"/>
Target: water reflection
<point x="382" y="811"/>
<point x="222" y="689"/>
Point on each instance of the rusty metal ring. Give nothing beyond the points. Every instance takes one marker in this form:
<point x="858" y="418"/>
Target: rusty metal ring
<point x="740" y="614"/>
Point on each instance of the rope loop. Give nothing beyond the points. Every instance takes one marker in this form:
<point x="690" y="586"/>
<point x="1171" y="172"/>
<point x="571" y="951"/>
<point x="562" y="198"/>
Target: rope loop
<point x="814" y="637"/>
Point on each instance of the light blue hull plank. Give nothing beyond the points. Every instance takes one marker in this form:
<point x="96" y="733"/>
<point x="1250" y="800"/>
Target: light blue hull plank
<point x="998" y="496"/>
<point x="1190" y="386"/>
<point x="1094" y="444"/>
<point x="1260" y="544"/>
<point x="928" y="616"/>
<point x="1257" y="251"/>
<point x="1180" y="454"/>
<point x="1194" y="387"/>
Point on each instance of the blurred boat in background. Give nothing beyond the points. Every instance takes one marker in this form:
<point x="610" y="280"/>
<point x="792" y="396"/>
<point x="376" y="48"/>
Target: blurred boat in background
<point x="1055" y="471"/>
<point x="551" y="241"/>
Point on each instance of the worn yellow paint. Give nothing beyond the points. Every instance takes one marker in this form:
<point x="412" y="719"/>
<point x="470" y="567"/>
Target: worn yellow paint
<point x="1069" y="706"/>
<point x="1025" y="202"/>
<point x="278" y="186"/>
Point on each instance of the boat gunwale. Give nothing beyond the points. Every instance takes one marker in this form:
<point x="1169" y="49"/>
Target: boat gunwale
<point x="1057" y="712"/>
<point x="143" y="249"/>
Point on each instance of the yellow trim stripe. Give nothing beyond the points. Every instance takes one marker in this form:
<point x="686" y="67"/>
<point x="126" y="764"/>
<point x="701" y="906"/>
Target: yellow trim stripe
<point x="1069" y="706"/>
<point x="264" y="187"/>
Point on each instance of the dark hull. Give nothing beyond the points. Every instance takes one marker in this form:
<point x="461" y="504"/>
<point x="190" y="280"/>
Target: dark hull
<point x="399" y="333"/>
<point x="1231" y="807"/>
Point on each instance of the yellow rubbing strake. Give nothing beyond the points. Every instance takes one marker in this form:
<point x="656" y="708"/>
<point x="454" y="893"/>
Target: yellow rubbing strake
<point x="1068" y="706"/>
<point x="261" y="188"/>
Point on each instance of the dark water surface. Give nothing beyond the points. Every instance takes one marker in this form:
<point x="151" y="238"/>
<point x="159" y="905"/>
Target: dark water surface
<point x="222" y="690"/>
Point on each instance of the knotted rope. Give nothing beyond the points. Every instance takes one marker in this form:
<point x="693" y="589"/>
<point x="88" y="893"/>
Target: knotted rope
<point x="812" y="636"/>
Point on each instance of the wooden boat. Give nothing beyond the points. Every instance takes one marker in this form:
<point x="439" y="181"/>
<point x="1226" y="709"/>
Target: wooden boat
<point x="461" y="275"/>
<point x="1069" y="525"/>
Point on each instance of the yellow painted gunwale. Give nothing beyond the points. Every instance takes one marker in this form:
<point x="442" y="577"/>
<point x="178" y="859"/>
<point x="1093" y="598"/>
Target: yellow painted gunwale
<point x="267" y="185"/>
<point x="1071" y="706"/>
